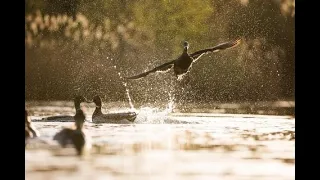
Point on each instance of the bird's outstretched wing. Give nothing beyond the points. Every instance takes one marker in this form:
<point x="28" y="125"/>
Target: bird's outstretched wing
<point x="226" y="45"/>
<point x="163" y="67"/>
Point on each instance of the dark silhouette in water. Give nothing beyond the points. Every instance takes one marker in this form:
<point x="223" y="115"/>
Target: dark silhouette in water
<point x="183" y="64"/>
<point x="75" y="135"/>
<point x="115" y="118"/>
<point x="65" y="118"/>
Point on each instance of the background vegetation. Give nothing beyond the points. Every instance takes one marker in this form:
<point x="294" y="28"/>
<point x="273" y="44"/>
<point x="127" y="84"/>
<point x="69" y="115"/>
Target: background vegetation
<point x="84" y="47"/>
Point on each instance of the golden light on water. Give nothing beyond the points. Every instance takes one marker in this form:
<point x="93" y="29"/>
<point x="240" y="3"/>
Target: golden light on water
<point x="232" y="116"/>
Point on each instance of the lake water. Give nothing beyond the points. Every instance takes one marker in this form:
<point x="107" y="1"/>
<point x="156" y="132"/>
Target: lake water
<point x="199" y="144"/>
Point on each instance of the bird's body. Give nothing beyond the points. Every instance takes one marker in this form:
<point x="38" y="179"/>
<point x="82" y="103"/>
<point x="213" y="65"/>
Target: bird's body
<point x="183" y="64"/>
<point x="112" y="118"/>
<point x="30" y="130"/>
<point x="58" y="118"/>
<point x="66" y="118"/>
<point x="75" y="135"/>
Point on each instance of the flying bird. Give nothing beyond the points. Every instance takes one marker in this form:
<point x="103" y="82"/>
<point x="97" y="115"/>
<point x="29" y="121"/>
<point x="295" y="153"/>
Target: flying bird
<point x="183" y="64"/>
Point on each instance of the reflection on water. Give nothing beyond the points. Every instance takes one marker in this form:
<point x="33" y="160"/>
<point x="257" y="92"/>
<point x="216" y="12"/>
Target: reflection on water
<point x="164" y="145"/>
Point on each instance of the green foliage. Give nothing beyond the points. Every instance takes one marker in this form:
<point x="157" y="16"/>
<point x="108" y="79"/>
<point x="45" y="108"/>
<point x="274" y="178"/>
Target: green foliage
<point x="168" y="23"/>
<point x="81" y="46"/>
<point x="99" y="10"/>
<point x="34" y="5"/>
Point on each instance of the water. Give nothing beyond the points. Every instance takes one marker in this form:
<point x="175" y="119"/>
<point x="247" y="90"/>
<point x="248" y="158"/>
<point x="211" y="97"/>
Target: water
<point x="125" y="85"/>
<point x="128" y="95"/>
<point x="166" y="145"/>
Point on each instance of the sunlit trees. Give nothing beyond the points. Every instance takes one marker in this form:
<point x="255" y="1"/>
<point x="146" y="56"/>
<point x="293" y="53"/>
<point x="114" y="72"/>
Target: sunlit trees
<point x="81" y="47"/>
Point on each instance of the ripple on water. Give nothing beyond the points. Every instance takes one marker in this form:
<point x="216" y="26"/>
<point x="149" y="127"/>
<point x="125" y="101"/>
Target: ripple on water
<point x="172" y="146"/>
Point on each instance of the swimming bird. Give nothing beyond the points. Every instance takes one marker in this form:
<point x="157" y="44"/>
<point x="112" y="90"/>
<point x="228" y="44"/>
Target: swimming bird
<point x="30" y="130"/>
<point x="75" y="135"/>
<point x="114" y="118"/>
<point x="67" y="118"/>
<point x="182" y="64"/>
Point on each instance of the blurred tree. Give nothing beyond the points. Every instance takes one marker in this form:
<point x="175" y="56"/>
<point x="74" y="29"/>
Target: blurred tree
<point x="167" y="23"/>
<point x="81" y="46"/>
<point x="34" y="5"/>
<point x="55" y="7"/>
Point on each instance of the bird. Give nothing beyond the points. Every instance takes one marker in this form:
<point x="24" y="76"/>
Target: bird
<point x="112" y="118"/>
<point x="74" y="135"/>
<point x="30" y="130"/>
<point x="183" y="63"/>
<point x="67" y="118"/>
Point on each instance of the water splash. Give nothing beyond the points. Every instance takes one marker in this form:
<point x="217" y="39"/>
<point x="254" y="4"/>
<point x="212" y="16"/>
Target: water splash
<point x="128" y="94"/>
<point x="127" y="90"/>
<point x="152" y="115"/>
<point x="171" y="93"/>
<point x="155" y="115"/>
<point x="180" y="77"/>
<point x="149" y="115"/>
<point x="171" y="102"/>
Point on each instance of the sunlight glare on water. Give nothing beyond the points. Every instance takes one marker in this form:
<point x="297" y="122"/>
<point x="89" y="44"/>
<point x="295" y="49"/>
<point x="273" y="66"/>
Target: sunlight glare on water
<point x="166" y="145"/>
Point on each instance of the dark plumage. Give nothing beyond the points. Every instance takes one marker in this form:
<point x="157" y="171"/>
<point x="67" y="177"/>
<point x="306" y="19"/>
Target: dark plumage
<point x="74" y="136"/>
<point x="117" y="118"/>
<point x="66" y="118"/>
<point x="184" y="62"/>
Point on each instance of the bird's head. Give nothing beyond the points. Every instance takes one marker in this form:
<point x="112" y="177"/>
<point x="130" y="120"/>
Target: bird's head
<point x="185" y="45"/>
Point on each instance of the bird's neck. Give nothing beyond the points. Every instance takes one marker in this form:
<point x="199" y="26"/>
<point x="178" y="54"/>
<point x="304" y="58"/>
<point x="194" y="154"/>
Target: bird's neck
<point x="97" y="111"/>
<point x="77" y="105"/>
<point x="79" y="126"/>
<point x="185" y="49"/>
